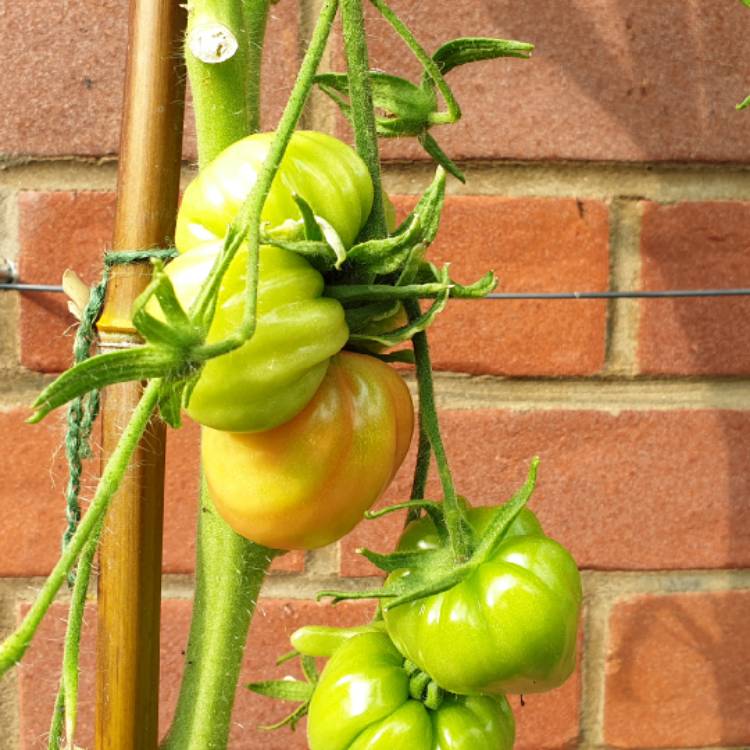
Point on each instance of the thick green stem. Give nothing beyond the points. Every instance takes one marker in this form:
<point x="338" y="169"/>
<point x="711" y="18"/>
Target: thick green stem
<point x="255" y="13"/>
<point x="429" y="423"/>
<point x="229" y="573"/>
<point x="216" y="55"/>
<point x="14" y="647"/>
<point x="363" y="117"/>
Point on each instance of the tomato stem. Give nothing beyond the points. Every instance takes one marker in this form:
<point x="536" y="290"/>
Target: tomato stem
<point x="362" y="115"/>
<point x="421" y="470"/>
<point x="229" y="572"/>
<point x="216" y="55"/>
<point x="15" y="645"/>
<point x="65" y="712"/>
<point x="428" y="420"/>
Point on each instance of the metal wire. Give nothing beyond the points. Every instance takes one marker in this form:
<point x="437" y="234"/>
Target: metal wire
<point x="625" y="294"/>
<point x="19" y="287"/>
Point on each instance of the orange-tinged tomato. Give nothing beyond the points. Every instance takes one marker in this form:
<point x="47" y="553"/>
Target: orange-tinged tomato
<point x="307" y="482"/>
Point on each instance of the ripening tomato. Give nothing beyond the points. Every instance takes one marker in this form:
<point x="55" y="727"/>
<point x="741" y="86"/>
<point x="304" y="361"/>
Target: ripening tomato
<point x="307" y="482"/>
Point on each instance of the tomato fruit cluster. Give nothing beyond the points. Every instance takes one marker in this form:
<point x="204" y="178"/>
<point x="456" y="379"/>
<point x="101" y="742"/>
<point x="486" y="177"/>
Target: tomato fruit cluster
<point x="299" y="437"/>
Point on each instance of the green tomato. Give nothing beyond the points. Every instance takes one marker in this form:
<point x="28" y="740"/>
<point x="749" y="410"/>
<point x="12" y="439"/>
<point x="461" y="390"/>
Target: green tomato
<point x="323" y="170"/>
<point x="272" y="376"/>
<point x="509" y="627"/>
<point x="363" y="702"/>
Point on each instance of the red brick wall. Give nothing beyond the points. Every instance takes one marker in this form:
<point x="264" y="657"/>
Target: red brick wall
<point x="614" y="159"/>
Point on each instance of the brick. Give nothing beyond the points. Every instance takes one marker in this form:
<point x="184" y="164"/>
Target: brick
<point x="33" y="492"/>
<point x="676" y="671"/>
<point x="548" y="721"/>
<point x="695" y="246"/>
<point x="58" y="230"/>
<point x="274" y="621"/>
<point x="605" y="82"/>
<point x="69" y="61"/>
<point x="535" y="245"/>
<point x="645" y="490"/>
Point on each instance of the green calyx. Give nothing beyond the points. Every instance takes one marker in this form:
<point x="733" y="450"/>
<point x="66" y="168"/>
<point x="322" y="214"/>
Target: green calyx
<point x="379" y="274"/>
<point x="432" y="571"/>
<point x="423" y="688"/>
<point x="409" y="109"/>
<point x="295" y="691"/>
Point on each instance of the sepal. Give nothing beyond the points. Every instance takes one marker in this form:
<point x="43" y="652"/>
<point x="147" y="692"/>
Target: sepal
<point x="416" y="574"/>
<point x="388" y="255"/>
<point x="473" y="49"/>
<point x="107" y="369"/>
<point x="290" y="690"/>
<point x="407" y="107"/>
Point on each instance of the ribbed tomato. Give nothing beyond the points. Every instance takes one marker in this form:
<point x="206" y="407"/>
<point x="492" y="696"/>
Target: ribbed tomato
<point x="307" y="482"/>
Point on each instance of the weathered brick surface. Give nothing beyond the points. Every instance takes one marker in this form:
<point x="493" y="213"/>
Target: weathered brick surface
<point x="274" y="621"/>
<point x="607" y="81"/>
<point x="57" y="230"/>
<point x="632" y="491"/>
<point x="64" y="64"/>
<point x="676" y="672"/>
<point x="32" y="493"/>
<point x="534" y="245"/>
<point x="695" y="246"/>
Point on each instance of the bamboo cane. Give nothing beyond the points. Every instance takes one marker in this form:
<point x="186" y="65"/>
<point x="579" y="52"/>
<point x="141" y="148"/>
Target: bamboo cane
<point x="129" y="587"/>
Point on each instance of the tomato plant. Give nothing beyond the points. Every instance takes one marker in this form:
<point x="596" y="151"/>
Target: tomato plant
<point x="286" y="252"/>
<point x="368" y="699"/>
<point x="510" y="625"/>
<point x="308" y="482"/>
